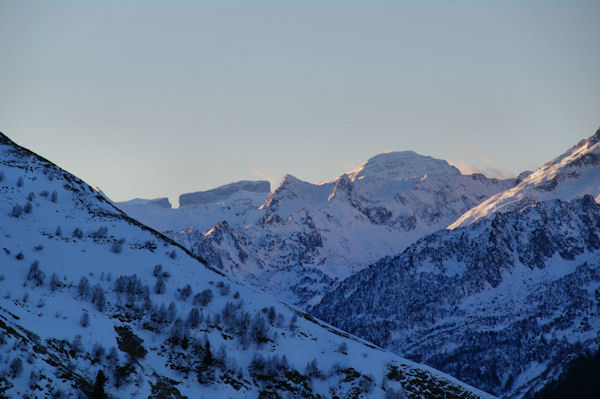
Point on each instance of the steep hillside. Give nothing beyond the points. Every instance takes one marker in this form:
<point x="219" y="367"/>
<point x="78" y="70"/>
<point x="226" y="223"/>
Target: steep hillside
<point x="94" y="303"/>
<point x="501" y="304"/>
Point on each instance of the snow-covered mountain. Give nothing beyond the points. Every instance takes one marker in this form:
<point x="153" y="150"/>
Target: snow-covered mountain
<point x="502" y="303"/>
<point x="306" y="237"/>
<point x="237" y="203"/>
<point x="401" y="165"/>
<point x="571" y="175"/>
<point x="93" y="303"/>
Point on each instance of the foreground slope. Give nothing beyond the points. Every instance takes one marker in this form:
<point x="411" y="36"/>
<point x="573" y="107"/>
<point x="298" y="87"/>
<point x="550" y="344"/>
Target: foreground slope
<point x="92" y="301"/>
<point x="307" y="237"/>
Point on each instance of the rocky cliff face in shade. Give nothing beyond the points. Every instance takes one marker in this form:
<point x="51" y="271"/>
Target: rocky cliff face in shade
<point x="502" y="303"/>
<point x="309" y="236"/>
<point x="93" y="301"/>
<point x="224" y="192"/>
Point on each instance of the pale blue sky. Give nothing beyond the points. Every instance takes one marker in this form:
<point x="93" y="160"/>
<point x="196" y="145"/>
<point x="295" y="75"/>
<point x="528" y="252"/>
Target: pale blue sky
<point x="153" y="99"/>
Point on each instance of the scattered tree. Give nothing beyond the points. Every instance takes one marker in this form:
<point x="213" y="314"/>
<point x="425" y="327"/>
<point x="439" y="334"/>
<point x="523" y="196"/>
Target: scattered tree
<point x="97" y="353"/>
<point x="35" y="275"/>
<point x="160" y="287"/>
<point x="185" y="292"/>
<point x="54" y="282"/>
<point x="83" y="287"/>
<point x="193" y="319"/>
<point x="98" y="391"/>
<point x="203" y="298"/>
<point x="98" y="298"/>
<point x="17" y="210"/>
<point x="117" y="246"/>
<point x="16" y="367"/>
<point x="85" y="320"/>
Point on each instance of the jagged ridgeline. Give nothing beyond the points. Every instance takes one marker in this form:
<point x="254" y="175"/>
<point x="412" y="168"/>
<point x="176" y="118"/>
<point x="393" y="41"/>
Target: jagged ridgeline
<point x="93" y="303"/>
<point x="299" y="241"/>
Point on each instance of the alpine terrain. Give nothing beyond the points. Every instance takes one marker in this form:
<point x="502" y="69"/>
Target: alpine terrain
<point x="506" y="296"/>
<point x="93" y="303"/>
<point x="300" y="240"/>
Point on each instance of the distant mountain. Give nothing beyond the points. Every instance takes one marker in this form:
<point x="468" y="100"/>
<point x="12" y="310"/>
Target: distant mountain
<point x="237" y="203"/>
<point x="224" y="192"/>
<point x="306" y="237"/>
<point x="571" y="175"/>
<point x="502" y="303"/>
<point x="140" y="202"/>
<point x="95" y="304"/>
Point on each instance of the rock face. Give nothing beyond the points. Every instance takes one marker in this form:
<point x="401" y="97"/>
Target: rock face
<point x="94" y="302"/>
<point x="502" y="303"/>
<point x="307" y="237"/>
<point x="224" y="192"/>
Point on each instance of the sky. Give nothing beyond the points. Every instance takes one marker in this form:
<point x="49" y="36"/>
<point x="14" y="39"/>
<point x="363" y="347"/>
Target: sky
<point x="157" y="98"/>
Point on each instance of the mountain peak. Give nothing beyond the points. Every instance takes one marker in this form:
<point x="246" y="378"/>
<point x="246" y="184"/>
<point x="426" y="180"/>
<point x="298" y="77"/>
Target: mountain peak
<point x="400" y="165"/>
<point x="343" y="187"/>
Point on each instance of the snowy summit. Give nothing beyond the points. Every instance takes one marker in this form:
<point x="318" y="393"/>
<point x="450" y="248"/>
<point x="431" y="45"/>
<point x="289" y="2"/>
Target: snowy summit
<point x="402" y="165"/>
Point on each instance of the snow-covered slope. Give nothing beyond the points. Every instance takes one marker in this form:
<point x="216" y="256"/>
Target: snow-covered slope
<point x="93" y="301"/>
<point x="571" y="175"/>
<point x="501" y="304"/>
<point x="309" y="236"/>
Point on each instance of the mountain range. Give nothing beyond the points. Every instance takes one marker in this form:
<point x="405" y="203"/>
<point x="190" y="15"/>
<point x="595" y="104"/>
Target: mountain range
<point x="96" y="304"/>
<point x="505" y="296"/>
<point x="300" y="240"/>
<point x="492" y="281"/>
